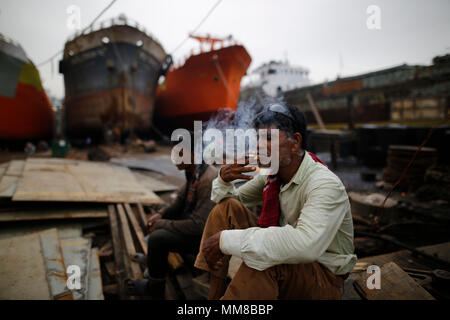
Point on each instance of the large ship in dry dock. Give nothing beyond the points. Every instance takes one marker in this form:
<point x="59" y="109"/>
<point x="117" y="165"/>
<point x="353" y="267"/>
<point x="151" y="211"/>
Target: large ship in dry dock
<point x="110" y="78"/>
<point x="203" y="84"/>
<point x="25" y="110"/>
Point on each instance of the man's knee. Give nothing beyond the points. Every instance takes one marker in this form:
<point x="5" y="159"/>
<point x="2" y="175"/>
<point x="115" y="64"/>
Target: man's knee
<point x="157" y="238"/>
<point x="225" y="206"/>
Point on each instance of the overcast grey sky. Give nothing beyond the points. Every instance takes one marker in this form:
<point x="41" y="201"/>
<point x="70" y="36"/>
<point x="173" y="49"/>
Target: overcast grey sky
<point x="313" y="34"/>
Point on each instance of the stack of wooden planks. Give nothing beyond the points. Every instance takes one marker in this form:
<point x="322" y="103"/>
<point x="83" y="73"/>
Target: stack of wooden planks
<point x="47" y="205"/>
<point x="44" y="179"/>
<point x="128" y="228"/>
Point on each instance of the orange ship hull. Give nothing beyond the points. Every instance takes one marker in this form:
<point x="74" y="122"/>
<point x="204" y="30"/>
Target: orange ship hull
<point x="25" y="110"/>
<point x="206" y="83"/>
<point x="28" y="115"/>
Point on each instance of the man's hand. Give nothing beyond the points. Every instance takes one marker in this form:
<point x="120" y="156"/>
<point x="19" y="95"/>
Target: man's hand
<point x="212" y="253"/>
<point x="231" y="172"/>
<point x="151" y="222"/>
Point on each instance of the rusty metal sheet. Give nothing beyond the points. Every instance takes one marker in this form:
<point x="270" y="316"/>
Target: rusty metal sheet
<point x="52" y="214"/>
<point x="396" y="285"/>
<point x="66" y="229"/>
<point x="95" y="288"/>
<point x="23" y="273"/>
<point x="54" y="263"/>
<point x="77" y="251"/>
<point x="161" y="164"/>
<point x="8" y="186"/>
<point x="69" y="180"/>
<point x="153" y="184"/>
<point x="10" y="174"/>
<point x="15" y="168"/>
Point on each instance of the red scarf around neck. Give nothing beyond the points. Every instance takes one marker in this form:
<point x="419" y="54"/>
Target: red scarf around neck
<point x="270" y="212"/>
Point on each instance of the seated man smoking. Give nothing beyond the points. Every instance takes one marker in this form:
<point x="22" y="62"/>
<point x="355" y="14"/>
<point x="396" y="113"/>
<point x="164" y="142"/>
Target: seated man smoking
<point x="301" y="244"/>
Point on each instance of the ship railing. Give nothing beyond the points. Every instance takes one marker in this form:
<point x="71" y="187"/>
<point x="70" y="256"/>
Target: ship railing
<point x="121" y="20"/>
<point x="196" y="51"/>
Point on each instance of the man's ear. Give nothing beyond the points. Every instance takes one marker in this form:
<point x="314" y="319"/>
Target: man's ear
<point x="298" y="139"/>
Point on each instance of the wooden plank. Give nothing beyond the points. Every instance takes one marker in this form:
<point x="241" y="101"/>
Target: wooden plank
<point x="118" y="251"/>
<point x="15" y="168"/>
<point x="153" y="184"/>
<point x="161" y="164"/>
<point x="8" y="185"/>
<point x="135" y="271"/>
<point x="315" y="112"/>
<point x="66" y="228"/>
<point x="68" y="180"/>
<point x="95" y="288"/>
<point x="142" y="217"/>
<point x="405" y="259"/>
<point x="23" y="275"/>
<point x="174" y="259"/>
<point x="2" y="171"/>
<point x="53" y="214"/>
<point x="110" y="267"/>
<point x="137" y="229"/>
<point x="396" y="284"/>
<point x="9" y="177"/>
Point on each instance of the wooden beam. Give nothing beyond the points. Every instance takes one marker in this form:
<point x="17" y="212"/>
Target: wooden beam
<point x="118" y="250"/>
<point x="135" y="271"/>
<point x="137" y="229"/>
<point x="141" y="216"/>
<point x="315" y="112"/>
<point x="174" y="259"/>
